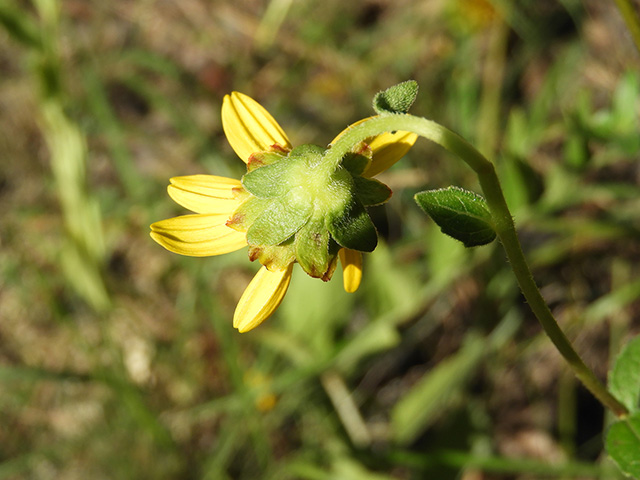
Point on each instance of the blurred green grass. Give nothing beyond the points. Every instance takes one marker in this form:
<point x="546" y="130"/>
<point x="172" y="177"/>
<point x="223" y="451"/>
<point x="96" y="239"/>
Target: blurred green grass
<point x="118" y="359"/>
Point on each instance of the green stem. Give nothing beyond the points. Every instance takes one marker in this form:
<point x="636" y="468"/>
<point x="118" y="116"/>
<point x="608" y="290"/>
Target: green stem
<point x="630" y="16"/>
<point x="505" y="228"/>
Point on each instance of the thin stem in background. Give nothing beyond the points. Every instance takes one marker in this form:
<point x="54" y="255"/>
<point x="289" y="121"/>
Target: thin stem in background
<point x="630" y="15"/>
<point x="488" y="124"/>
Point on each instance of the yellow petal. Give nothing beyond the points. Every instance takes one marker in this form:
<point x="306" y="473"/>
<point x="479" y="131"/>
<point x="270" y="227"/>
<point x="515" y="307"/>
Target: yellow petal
<point x="388" y="148"/>
<point x="351" y="268"/>
<point x="249" y="127"/>
<point x="261" y="298"/>
<point x="198" y="235"/>
<point x="206" y="193"/>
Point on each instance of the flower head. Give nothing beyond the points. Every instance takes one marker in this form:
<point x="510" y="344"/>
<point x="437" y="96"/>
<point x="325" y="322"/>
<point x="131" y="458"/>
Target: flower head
<point x="290" y="207"/>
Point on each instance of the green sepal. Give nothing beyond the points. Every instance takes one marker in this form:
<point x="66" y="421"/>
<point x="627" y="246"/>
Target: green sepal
<point x="269" y="181"/>
<point x="352" y="228"/>
<point x="334" y="247"/>
<point x="261" y="159"/>
<point x="280" y="220"/>
<point x="274" y="257"/>
<point x="247" y="213"/>
<point x="459" y="213"/>
<point x="310" y="154"/>
<point x="396" y="99"/>
<point x="370" y="191"/>
<point x="312" y="247"/>
<point x="358" y="160"/>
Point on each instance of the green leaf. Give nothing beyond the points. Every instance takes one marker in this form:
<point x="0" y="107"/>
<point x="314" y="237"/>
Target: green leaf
<point x="624" y="380"/>
<point x="280" y="220"/>
<point x="623" y="445"/>
<point x="375" y="337"/>
<point x="396" y="99"/>
<point x="460" y="214"/>
<point x="353" y="228"/>
<point x="20" y="26"/>
<point x="436" y="391"/>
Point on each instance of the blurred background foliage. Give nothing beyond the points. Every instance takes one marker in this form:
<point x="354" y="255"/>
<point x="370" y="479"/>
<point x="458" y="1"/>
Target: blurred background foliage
<point x="118" y="359"/>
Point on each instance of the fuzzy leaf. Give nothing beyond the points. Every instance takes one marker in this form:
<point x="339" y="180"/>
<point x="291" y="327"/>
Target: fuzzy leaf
<point x="460" y="214"/>
<point x="623" y="445"/>
<point x="396" y="99"/>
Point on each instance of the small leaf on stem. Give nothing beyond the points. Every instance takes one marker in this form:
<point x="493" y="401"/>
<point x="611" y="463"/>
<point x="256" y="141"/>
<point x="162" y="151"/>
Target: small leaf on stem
<point x="460" y="214"/>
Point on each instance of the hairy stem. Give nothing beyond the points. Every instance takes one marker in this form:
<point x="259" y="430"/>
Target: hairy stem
<point x="505" y="228"/>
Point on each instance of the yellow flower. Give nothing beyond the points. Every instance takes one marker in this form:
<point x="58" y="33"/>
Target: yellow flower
<point x="214" y="229"/>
